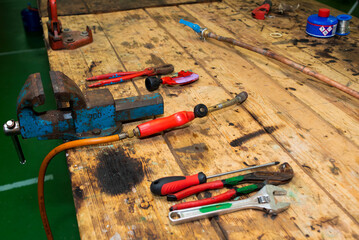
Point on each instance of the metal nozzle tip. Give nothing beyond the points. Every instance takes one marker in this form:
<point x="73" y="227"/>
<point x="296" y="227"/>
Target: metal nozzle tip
<point x="241" y="97"/>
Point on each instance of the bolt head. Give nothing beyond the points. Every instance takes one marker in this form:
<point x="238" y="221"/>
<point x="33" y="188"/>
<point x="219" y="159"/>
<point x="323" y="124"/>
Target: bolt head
<point x="96" y="131"/>
<point x="10" y="124"/>
<point x="84" y="33"/>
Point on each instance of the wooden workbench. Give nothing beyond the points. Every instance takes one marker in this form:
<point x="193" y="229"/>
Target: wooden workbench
<point x="288" y="117"/>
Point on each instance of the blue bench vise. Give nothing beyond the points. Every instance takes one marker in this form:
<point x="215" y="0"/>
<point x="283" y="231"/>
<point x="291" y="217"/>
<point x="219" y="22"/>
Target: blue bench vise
<point x="79" y="115"/>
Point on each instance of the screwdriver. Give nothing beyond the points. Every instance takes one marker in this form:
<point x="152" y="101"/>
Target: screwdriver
<point x="168" y="185"/>
<point x="284" y="175"/>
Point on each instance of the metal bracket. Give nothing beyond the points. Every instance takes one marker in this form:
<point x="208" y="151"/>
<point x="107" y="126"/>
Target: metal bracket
<point x="64" y="38"/>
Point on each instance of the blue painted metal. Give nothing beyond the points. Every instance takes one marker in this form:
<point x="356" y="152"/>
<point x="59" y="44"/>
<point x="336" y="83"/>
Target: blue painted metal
<point x="35" y="125"/>
<point x="322" y="27"/>
<point x="102" y="117"/>
<point x="31" y="19"/>
<point x="141" y="112"/>
<point x="138" y="107"/>
<point x="92" y="114"/>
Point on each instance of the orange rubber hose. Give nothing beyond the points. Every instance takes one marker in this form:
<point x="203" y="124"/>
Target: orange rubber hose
<point x="45" y="163"/>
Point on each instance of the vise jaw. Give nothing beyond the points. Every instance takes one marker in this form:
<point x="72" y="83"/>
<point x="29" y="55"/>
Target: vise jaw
<point x="78" y="115"/>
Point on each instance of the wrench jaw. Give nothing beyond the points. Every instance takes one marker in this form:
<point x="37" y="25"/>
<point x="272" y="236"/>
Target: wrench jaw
<point x="275" y="206"/>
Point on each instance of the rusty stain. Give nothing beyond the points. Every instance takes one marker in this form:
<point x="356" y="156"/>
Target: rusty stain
<point x="117" y="172"/>
<point x="145" y="204"/>
<point x="149" y="45"/>
<point x="335" y="170"/>
<point x="94" y="64"/>
<point x="131" y="203"/>
<point x="239" y="141"/>
<point x="195" y="148"/>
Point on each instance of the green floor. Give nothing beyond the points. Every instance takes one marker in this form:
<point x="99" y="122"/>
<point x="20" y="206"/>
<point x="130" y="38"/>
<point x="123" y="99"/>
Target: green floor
<point x="20" y="217"/>
<point x="20" y="55"/>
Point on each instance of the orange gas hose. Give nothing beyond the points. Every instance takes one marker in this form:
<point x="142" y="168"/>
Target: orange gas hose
<point x="45" y="163"/>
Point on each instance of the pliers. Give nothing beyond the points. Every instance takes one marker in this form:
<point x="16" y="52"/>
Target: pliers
<point x="182" y="78"/>
<point x="284" y="175"/>
<point x="118" y="77"/>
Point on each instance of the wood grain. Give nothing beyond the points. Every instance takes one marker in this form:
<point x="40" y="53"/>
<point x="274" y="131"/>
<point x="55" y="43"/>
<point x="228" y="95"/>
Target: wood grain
<point x="316" y="131"/>
<point x="77" y="7"/>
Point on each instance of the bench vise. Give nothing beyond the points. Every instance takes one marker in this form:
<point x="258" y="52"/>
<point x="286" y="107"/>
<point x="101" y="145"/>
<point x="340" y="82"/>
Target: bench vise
<point x="78" y="115"/>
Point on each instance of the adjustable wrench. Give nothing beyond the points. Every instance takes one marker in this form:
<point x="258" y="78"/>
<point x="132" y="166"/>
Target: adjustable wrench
<point x="263" y="200"/>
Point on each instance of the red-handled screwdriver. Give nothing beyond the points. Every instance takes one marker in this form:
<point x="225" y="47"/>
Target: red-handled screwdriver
<point x="169" y="185"/>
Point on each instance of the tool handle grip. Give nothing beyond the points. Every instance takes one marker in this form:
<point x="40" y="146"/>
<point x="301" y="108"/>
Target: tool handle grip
<point x="165" y="69"/>
<point x="194" y="26"/>
<point x="167" y="185"/>
<point x="120" y="79"/>
<point x="160" y="124"/>
<point x="195" y="189"/>
<point x="110" y="75"/>
<point x="216" y="199"/>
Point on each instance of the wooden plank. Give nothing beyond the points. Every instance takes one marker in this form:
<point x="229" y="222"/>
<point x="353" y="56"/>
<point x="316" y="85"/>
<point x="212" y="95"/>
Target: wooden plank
<point x="336" y="52"/>
<point x="293" y="81"/>
<point x="302" y="132"/>
<point x="105" y="206"/>
<point x="77" y="7"/>
<point x="142" y="40"/>
<point x="218" y="153"/>
<point x="334" y="57"/>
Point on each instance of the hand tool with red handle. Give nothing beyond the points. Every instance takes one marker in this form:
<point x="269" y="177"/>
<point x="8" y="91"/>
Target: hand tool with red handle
<point x="284" y="175"/>
<point x="118" y="77"/>
<point x="180" y="118"/>
<point x="230" y="194"/>
<point x="183" y="78"/>
<point x="168" y="185"/>
<point x="261" y="11"/>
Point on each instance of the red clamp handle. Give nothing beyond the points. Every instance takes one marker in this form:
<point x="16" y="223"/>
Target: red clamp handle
<point x="161" y="124"/>
<point x="220" y="198"/>
<point x="261" y="11"/>
<point x="195" y="189"/>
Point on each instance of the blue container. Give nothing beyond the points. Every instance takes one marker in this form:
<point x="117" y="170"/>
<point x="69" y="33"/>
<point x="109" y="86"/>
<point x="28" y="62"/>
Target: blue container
<point x="322" y="25"/>
<point x="31" y="19"/>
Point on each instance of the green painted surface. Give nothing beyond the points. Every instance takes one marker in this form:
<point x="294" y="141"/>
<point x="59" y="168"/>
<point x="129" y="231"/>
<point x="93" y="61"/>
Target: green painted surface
<point x="343" y="5"/>
<point x="233" y="180"/>
<point x="215" y="207"/>
<point x="247" y="189"/>
<point x="20" y="217"/>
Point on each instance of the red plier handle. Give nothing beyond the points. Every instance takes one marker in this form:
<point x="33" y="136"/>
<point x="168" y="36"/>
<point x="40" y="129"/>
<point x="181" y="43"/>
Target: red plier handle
<point x="117" y="77"/>
<point x="261" y="11"/>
